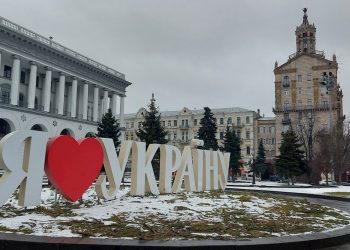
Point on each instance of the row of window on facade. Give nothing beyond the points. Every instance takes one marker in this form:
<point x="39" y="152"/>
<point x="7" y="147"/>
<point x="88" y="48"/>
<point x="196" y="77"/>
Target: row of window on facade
<point x="269" y="141"/>
<point x="185" y="123"/>
<point x="323" y="104"/>
<point x="286" y="79"/>
<point x="264" y="129"/>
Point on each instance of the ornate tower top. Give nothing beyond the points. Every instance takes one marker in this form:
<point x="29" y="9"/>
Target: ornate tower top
<point x="306" y="36"/>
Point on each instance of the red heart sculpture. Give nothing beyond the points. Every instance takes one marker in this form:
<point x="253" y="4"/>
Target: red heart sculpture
<point x="72" y="166"/>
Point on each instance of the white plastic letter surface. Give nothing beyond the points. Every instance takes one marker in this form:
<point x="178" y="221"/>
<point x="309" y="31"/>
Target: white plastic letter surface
<point x="142" y="175"/>
<point x="170" y="157"/>
<point x="114" y="166"/>
<point x="22" y="156"/>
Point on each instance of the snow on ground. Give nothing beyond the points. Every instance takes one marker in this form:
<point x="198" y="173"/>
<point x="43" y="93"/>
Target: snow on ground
<point x="214" y="215"/>
<point x="282" y="187"/>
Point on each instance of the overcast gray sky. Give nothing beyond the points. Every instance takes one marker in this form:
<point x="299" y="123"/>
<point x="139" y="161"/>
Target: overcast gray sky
<point x="191" y="53"/>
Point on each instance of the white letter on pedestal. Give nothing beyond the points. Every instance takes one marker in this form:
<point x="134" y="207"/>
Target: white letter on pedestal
<point x="169" y="162"/>
<point x="224" y="163"/>
<point x="185" y="172"/>
<point x="142" y="175"/>
<point x="114" y="166"/>
<point x="211" y="170"/>
<point x="25" y="169"/>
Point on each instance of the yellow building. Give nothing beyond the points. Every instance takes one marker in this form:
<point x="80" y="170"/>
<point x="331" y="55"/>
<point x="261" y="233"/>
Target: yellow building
<point x="306" y="88"/>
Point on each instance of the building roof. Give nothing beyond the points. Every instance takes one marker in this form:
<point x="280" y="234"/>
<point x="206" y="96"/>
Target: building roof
<point x="56" y="46"/>
<point x="197" y="112"/>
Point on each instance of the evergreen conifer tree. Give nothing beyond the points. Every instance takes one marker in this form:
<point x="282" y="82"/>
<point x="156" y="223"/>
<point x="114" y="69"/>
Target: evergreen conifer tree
<point x="207" y="130"/>
<point x="259" y="166"/>
<point x="109" y="128"/>
<point x="152" y="131"/>
<point x="231" y="144"/>
<point x="291" y="161"/>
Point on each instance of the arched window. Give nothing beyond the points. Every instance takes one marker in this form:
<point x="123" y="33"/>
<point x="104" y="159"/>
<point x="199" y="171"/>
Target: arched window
<point x="286" y="105"/>
<point x="5" y="128"/>
<point x="285" y="82"/>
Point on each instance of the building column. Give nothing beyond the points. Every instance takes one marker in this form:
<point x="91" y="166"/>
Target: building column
<point x="47" y="90"/>
<point x="105" y="101"/>
<point x="32" y="85"/>
<point x="16" y="71"/>
<point x="73" y="107"/>
<point x="114" y="105"/>
<point x="85" y="100"/>
<point x="121" y="118"/>
<point x="60" y="94"/>
<point x="1" y="69"/>
<point x="95" y="110"/>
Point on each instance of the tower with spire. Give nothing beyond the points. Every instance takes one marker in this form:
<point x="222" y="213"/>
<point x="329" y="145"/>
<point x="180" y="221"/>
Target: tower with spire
<point x="299" y="96"/>
<point x="306" y="36"/>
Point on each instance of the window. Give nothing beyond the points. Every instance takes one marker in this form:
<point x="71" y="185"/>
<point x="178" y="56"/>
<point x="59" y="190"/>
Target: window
<point x="259" y="130"/>
<point x="183" y="136"/>
<point x="286" y="116"/>
<point x="299" y="91"/>
<point x="229" y="120"/>
<point x="221" y="121"/>
<point x="273" y="141"/>
<point x="139" y="124"/>
<point x="169" y="136"/>
<point x="175" y="123"/>
<point x="221" y="135"/>
<point x="132" y="125"/>
<point x="23" y="77"/>
<point x="239" y="134"/>
<point x="324" y="104"/>
<point x="248" y="150"/>
<point x="285" y="128"/>
<point x="195" y="122"/>
<point x="169" y="123"/>
<point x="183" y="123"/>
<point x="309" y="91"/>
<point x="285" y="82"/>
<point x="247" y="120"/>
<point x="299" y="78"/>
<point x="127" y="125"/>
<point x="273" y="130"/>
<point x="7" y="71"/>
<point x="186" y="123"/>
<point x="5" y="93"/>
<point x="163" y="123"/>
<point x="309" y="102"/>
<point x="175" y="135"/>
<point x="300" y="103"/>
<point x="286" y="92"/>
<point x="247" y="135"/>
<point x="308" y="77"/>
<point x="264" y="129"/>
<point x="300" y="116"/>
<point x="269" y="129"/>
<point x="21" y="100"/>
<point x="238" y="121"/>
<point x="286" y="104"/>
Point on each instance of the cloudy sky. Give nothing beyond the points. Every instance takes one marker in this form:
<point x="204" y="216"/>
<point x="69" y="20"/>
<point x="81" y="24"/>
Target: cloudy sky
<point x="191" y="53"/>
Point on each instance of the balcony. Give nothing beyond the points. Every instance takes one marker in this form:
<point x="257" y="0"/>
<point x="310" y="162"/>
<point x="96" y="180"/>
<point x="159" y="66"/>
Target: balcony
<point x="184" y="126"/>
<point x="298" y="108"/>
<point x="286" y="121"/>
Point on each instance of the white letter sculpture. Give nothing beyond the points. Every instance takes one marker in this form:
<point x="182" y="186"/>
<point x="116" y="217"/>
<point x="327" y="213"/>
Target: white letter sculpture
<point x="23" y="167"/>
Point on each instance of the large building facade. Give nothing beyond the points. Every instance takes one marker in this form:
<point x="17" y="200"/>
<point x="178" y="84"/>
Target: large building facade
<point x="46" y="86"/>
<point x="300" y="95"/>
<point x="183" y="125"/>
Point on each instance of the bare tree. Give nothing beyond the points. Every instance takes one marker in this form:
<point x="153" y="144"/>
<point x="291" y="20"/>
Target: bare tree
<point x="306" y="130"/>
<point x="333" y="153"/>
